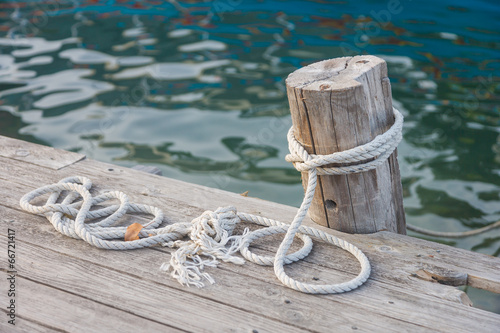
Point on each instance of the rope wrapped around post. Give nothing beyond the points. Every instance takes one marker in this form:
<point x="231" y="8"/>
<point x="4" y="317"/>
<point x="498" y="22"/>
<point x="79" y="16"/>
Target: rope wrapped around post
<point x="211" y="234"/>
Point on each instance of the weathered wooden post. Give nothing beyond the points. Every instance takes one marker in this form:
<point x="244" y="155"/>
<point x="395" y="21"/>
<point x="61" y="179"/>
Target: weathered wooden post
<point x="336" y="105"/>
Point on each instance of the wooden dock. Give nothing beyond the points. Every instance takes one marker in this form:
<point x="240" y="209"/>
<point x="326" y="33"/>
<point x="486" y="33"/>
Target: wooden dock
<point x="65" y="285"/>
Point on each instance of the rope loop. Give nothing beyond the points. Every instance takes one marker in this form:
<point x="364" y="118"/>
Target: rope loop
<point x="366" y="157"/>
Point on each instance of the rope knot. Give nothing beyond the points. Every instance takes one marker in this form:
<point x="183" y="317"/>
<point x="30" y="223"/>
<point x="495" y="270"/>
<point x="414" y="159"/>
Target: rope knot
<point x="355" y="160"/>
<point x="214" y="225"/>
<point x="211" y="237"/>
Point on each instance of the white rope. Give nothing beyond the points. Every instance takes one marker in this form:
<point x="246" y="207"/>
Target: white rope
<point x="367" y="156"/>
<point x="211" y="234"/>
<point x="458" y="234"/>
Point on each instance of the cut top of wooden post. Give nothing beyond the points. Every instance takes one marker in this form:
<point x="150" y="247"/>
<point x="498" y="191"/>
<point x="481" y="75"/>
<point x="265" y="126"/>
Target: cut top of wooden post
<point x="339" y="104"/>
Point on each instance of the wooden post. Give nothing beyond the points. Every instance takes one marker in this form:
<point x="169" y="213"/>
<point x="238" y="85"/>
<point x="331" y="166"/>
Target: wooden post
<point x="339" y="104"/>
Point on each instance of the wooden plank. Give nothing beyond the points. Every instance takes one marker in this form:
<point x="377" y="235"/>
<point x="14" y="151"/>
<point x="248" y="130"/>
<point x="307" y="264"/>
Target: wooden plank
<point x="67" y="312"/>
<point x="24" y="325"/>
<point x="181" y="202"/>
<point x="375" y="296"/>
<point x="190" y="200"/>
<point x="186" y="201"/>
<point x="257" y="293"/>
<point x="335" y="259"/>
<point x="320" y="263"/>
<point x="37" y="154"/>
<point x="135" y="294"/>
<point x="254" y="299"/>
<point x="336" y="105"/>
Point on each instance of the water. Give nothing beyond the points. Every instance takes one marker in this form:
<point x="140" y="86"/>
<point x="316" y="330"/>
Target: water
<point x="197" y="89"/>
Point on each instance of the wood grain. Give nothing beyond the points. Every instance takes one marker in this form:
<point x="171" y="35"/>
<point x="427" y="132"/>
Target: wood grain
<point x="36" y="154"/>
<point x="110" y="277"/>
<point x="185" y="201"/>
<point x="65" y="311"/>
<point x="336" y="105"/>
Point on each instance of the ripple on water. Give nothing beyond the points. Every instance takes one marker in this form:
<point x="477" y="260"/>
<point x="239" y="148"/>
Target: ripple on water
<point x="91" y="57"/>
<point x="34" y="45"/>
<point x="62" y="88"/>
<point x="10" y="70"/>
<point x="208" y="45"/>
<point x="169" y="71"/>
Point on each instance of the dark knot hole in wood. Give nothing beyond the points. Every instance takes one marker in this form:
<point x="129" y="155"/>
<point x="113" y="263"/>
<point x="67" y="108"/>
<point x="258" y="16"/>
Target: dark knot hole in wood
<point x="330" y="204"/>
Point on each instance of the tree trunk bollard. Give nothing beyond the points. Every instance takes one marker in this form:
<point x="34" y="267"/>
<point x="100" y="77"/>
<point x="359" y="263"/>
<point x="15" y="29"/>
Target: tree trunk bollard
<point x="336" y="105"/>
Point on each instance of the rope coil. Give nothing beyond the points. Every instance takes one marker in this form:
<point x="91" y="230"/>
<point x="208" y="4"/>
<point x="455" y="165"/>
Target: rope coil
<point x="211" y="234"/>
<point x="368" y="156"/>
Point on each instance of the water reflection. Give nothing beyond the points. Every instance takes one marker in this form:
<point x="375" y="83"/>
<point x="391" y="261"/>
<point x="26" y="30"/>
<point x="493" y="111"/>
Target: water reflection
<point x="61" y="89"/>
<point x="91" y="57"/>
<point x="246" y="168"/>
<point x="28" y="47"/>
<point x="169" y="71"/>
<point x="10" y="70"/>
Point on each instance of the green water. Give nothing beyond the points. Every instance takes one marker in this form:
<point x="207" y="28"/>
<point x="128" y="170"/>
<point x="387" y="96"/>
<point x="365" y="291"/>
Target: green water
<point x="197" y="89"/>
